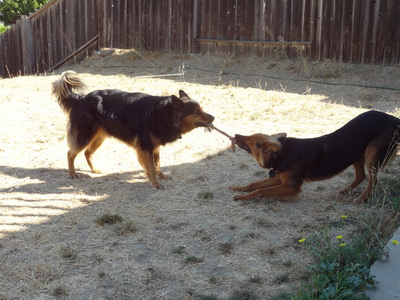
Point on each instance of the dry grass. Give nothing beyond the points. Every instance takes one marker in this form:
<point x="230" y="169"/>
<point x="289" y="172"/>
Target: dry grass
<point x="191" y="238"/>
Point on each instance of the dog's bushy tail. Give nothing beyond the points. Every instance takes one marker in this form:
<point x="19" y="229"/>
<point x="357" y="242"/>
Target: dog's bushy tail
<point x="65" y="88"/>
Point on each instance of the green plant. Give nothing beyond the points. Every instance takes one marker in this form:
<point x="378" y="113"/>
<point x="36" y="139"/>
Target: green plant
<point x="342" y="268"/>
<point x="205" y="195"/>
<point x="212" y="280"/>
<point x="179" y="250"/>
<point x="108" y="219"/>
<point x="225" y="248"/>
<point x="69" y="253"/>
<point x="3" y="28"/>
<point x="193" y="260"/>
<point x="126" y="227"/>
<point x="11" y="10"/>
<point x="245" y="294"/>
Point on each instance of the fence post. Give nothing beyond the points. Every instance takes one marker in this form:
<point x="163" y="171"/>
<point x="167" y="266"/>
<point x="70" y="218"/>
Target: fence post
<point x="28" y="51"/>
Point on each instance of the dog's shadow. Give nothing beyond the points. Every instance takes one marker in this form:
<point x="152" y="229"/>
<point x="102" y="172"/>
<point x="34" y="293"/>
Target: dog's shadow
<point x="56" y="181"/>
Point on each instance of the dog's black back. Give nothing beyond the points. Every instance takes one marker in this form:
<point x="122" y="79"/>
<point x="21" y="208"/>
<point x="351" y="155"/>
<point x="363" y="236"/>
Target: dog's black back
<point x="330" y="154"/>
<point x="127" y="116"/>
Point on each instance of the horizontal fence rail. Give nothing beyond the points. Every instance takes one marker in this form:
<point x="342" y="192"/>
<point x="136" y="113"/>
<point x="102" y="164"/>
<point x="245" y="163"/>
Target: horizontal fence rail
<point x="66" y="31"/>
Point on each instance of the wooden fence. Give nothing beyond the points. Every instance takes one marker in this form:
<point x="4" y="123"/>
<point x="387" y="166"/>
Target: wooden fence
<point x="64" y="31"/>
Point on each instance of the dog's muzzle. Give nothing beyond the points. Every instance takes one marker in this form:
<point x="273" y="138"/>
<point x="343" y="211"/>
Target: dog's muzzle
<point x="241" y="144"/>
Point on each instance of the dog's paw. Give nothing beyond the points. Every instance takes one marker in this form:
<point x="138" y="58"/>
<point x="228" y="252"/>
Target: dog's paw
<point x="360" y="199"/>
<point x="238" y="197"/>
<point x="161" y="175"/>
<point x="96" y="171"/>
<point x="237" y="188"/>
<point x="73" y="175"/>
<point x="157" y="185"/>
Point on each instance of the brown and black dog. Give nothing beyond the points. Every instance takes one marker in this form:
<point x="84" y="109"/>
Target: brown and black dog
<point x="142" y="121"/>
<point x="371" y="140"/>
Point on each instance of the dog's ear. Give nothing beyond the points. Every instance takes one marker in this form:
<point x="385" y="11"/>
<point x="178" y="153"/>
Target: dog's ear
<point x="177" y="103"/>
<point x="280" y="135"/>
<point x="271" y="144"/>
<point x="182" y="95"/>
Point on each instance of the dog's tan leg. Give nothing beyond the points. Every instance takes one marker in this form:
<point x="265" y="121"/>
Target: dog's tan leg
<point x="360" y="175"/>
<point x="257" y="185"/>
<point x="378" y="154"/>
<point x="287" y="189"/>
<point x="71" y="155"/>
<point x="146" y="159"/>
<point x="94" y="145"/>
<point x="372" y="157"/>
<point x="156" y="155"/>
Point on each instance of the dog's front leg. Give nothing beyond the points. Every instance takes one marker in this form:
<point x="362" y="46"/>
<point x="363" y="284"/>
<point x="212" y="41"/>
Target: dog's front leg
<point x="156" y="156"/>
<point x="146" y="159"/>
<point x="283" y="190"/>
<point x="257" y="185"/>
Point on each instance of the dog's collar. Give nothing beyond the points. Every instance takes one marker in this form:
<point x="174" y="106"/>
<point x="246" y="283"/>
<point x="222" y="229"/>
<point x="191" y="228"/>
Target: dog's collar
<point x="272" y="173"/>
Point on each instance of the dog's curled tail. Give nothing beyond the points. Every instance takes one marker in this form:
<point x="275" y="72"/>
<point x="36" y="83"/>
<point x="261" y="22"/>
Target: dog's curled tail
<point x="65" y="88"/>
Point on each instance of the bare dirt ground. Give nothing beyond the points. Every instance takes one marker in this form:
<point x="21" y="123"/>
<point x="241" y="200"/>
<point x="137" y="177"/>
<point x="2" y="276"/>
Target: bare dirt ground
<point x="190" y="239"/>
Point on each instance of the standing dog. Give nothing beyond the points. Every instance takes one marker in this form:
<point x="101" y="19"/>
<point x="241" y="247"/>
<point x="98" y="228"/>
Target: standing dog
<point x="371" y="139"/>
<point x="142" y="121"/>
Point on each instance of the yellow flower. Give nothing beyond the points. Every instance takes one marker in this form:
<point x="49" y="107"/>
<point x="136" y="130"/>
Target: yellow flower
<point x="395" y="242"/>
<point x="342" y="244"/>
<point x="343" y="217"/>
<point x="302" y="240"/>
<point x="339" y="237"/>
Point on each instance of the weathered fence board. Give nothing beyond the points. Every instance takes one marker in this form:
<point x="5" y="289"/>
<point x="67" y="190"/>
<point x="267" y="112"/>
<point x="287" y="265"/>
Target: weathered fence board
<point x="65" y="31"/>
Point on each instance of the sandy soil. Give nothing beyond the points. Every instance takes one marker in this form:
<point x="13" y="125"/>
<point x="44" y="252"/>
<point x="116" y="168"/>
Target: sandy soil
<point x="190" y="239"/>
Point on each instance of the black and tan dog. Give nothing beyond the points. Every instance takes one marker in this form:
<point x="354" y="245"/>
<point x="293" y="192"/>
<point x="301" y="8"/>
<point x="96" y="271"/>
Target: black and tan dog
<point x="142" y="121"/>
<point x="369" y="140"/>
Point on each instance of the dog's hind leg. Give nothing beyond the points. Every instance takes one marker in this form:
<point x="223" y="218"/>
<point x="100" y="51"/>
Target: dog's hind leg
<point x="79" y="136"/>
<point x="71" y="167"/>
<point x="378" y="154"/>
<point x="359" y="173"/>
<point x="93" y="146"/>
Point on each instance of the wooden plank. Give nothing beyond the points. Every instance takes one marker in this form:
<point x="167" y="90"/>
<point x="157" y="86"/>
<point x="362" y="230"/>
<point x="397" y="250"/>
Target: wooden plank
<point x="380" y="38"/>
<point x="61" y="32"/>
<point x="24" y="46"/>
<point x="196" y="26"/>
<point x="364" y="30"/>
<point x="6" y="57"/>
<point x="306" y="21"/>
<point x="358" y="20"/>
<point x="326" y="30"/>
<point x="49" y="43"/>
<point x="124" y="23"/>
<point x="107" y="28"/>
<point x="396" y="54"/>
<point x="11" y="61"/>
<point x="2" y="70"/>
<point x="55" y="34"/>
<point x="100" y="22"/>
<point x="188" y="33"/>
<point x="390" y="48"/>
<point x="250" y="42"/>
<point x="335" y="43"/>
<point x="268" y="28"/>
<point x="75" y="53"/>
<point x="150" y="25"/>
<point x="129" y="19"/>
<point x="34" y="43"/>
<point x="315" y="25"/>
<point x="181" y="27"/>
<point x="347" y="30"/>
